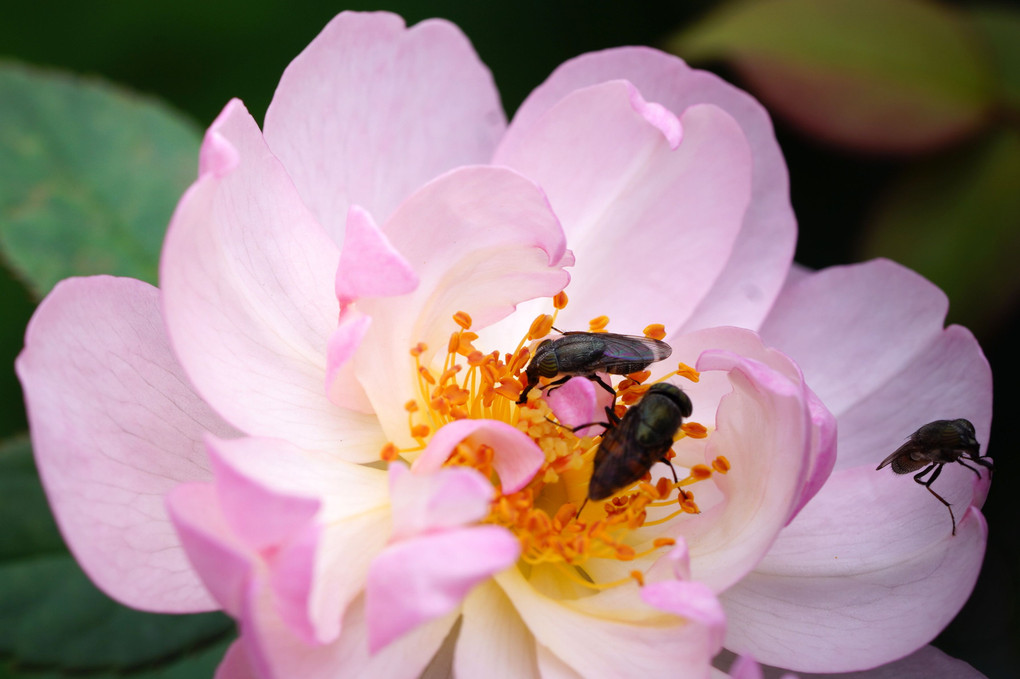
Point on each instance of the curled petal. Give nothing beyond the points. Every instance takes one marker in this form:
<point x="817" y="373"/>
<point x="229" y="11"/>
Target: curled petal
<point x="516" y="457"/>
<point x="371" y="110"/>
<point x="628" y="189"/>
<point x="115" y="426"/>
<point x="579" y="402"/>
<point x="693" y="601"/>
<point x="246" y="276"/>
<point x="421" y="579"/>
<point x="756" y="268"/>
<point x="278" y="654"/>
<point x="447" y="498"/>
<point x="369" y="265"/>
<point x="764" y="428"/>
<point x="609" y="645"/>
<point x="482" y="239"/>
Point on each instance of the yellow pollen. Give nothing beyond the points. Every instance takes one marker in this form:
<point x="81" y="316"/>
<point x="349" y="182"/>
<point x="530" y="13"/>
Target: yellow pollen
<point x="556" y="525"/>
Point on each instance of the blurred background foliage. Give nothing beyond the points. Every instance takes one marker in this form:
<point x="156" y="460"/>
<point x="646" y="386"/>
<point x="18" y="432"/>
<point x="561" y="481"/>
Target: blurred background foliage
<point x="900" y="121"/>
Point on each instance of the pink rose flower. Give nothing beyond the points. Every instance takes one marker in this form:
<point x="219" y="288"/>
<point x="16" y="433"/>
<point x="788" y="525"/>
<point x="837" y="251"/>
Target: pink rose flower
<point x="352" y="284"/>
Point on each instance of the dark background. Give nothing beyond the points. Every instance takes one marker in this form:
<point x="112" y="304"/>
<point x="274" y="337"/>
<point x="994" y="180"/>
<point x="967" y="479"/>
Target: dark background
<point x="195" y="56"/>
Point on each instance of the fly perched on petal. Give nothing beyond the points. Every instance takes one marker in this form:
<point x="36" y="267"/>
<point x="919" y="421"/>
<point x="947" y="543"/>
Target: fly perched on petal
<point x="323" y="423"/>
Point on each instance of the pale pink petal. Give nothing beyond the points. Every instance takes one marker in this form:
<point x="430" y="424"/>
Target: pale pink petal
<point x="516" y="457"/>
<point x="221" y="559"/>
<point x="949" y="379"/>
<point x="601" y="646"/>
<point x="879" y="357"/>
<point x="625" y="192"/>
<point x="925" y="663"/>
<point x="247" y="281"/>
<point x="757" y="266"/>
<point x="369" y="266"/>
<point x="446" y="498"/>
<point x="421" y="579"/>
<point x="800" y="620"/>
<point x="692" y="601"/>
<point x="259" y="516"/>
<point x="865" y="320"/>
<point x="235" y="664"/>
<point x="745" y="667"/>
<point x="578" y="402"/>
<point x="481" y="239"/>
<point x="344" y="489"/>
<point x="764" y="428"/>
<point x="115" y="425"/>
<point x="280" y="655"/>
<point x="341" y="387"/>
<point x="355" y="517"/>
<point x="370" y="111"/>
<point x="551" y="667"/>
<point x="493" y="641"/>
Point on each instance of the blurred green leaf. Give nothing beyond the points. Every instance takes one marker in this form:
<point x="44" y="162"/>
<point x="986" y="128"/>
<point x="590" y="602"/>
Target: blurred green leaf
<point x="1000" y="28"/>
<point x="16" y="308"/>
<point x="880" y="75"/>
<point x="54" y="618"/>
<point x="28" y="527"/>
<point x="957" y="222"/>
<point x="89" y="176"/>
<point x="197" y="664"/>
<point x="57" y="618"/>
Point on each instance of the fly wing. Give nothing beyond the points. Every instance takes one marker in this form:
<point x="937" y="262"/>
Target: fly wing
<point x="625" y="354"/>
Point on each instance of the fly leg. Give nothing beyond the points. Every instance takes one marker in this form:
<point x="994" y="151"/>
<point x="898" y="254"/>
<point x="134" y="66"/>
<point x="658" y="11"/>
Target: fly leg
<point x="937" y="467"/>
<point x="671" y="467"/>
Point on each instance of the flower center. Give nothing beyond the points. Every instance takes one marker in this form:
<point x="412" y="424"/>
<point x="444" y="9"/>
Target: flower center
<point x="544" y="515"/>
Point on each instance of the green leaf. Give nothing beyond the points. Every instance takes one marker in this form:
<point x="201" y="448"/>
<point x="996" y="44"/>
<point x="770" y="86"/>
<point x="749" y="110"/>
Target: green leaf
<point x="57" y="619"/>
<point x="89" y="176"/>
<point x="1000" y="28"/>
<point x="957" y="222"/>
<point x="881" y="75"/>
<point x="28" y="527"/>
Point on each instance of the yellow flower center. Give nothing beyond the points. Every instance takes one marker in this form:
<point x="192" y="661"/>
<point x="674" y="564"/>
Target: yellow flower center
<point x="544" y="515"/>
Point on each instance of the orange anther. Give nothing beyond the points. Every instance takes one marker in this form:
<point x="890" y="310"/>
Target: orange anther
<point x="411" y="406"/>
<point x="463" y="319"/>
<point x="560" y="299"/>
<point x="700" y="472"/>
<point x="424" y="372"/>
<point x="684" y="370"/>
<point x="419" y="349"/>
<point x="640" y="377"/>
<point x="639" y="576"/>
<point x="663" y="487"/>
<point x="598" y="324"/>
<point x="663" y="542"/>
<point x="695" y="430"/>
<point x="388" y="452"/>
<point x="565" y="513"/>
<point x="655" y="331"/>
<point x="540" y="327"/>
<point x="721" y="464"/>
<point x="420" y="431"/>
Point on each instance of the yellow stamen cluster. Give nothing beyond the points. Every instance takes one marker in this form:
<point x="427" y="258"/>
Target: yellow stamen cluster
<point x="544" y="515"/>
